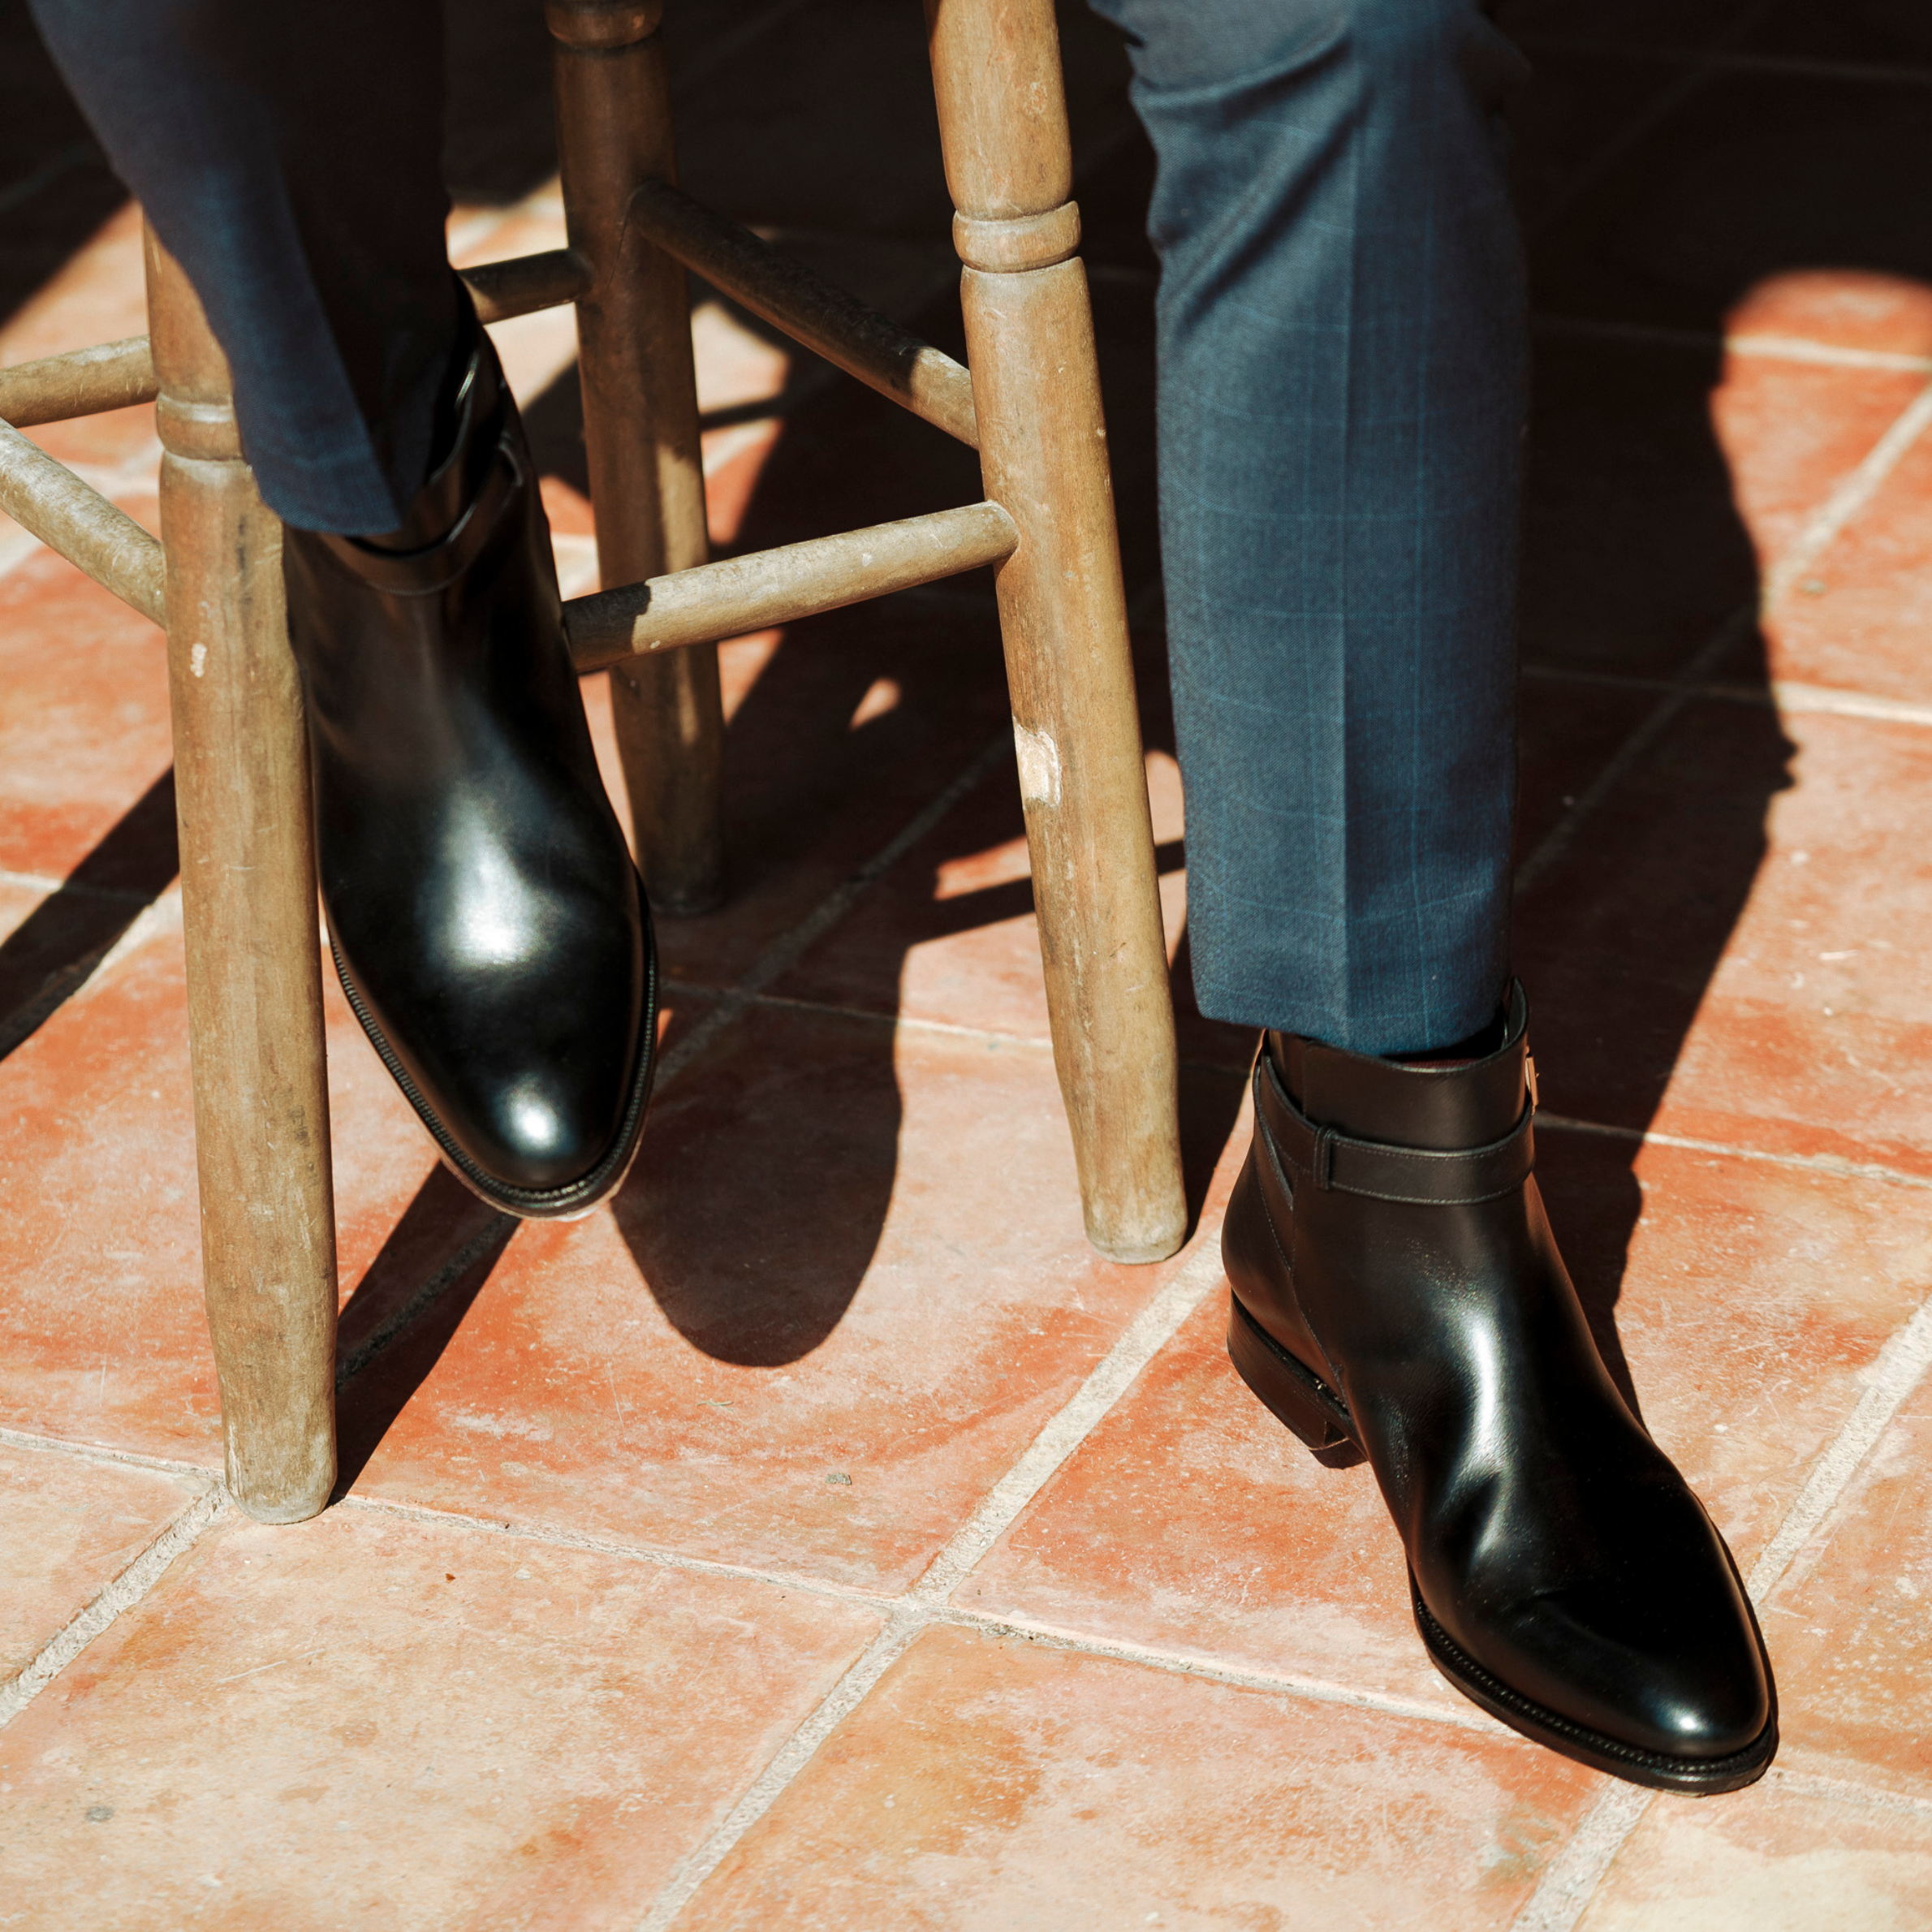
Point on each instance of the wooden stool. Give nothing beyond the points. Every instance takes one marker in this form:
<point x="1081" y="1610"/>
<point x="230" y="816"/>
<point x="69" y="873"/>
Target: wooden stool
<point x="1031" y="405"/>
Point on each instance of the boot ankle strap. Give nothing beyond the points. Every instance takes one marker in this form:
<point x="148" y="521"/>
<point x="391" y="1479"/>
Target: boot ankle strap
<point x="1339" y="1163"/>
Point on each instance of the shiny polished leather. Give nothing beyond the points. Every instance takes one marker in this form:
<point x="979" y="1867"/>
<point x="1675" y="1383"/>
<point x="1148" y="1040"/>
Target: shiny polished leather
<point x="1399" y="1293"/>
<point x="487" y="922"/>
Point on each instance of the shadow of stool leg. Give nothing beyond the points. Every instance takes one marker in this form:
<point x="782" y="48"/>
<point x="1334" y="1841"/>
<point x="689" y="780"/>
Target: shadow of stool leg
<point x="248" y="904"/>
<point x="1063" y="608"/>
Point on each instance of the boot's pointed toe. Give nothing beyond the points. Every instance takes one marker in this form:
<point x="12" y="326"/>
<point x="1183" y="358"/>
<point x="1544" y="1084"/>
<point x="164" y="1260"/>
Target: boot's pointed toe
<point x="1398" y="1295"/>
<point x="1679" y="1675"/>
<point x="488" y="926"/>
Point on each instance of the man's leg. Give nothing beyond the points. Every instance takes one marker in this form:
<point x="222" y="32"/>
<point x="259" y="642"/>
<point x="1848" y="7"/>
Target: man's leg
<point x="487" y="923"/>
<point x="1341" y="398"/>
<point x="290" y="158"/>
<point x="1342" y="355"/>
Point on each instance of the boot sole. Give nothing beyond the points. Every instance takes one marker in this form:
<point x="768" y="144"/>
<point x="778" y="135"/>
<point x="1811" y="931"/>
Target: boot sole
<point x="1319" y="1416"/>
<point x="577" y="1198"/>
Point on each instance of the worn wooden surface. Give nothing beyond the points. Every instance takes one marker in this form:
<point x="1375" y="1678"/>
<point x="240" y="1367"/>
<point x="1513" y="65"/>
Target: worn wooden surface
<point x="248" y="906"/>
<point x="70" y="516"/>
<point x="111" y="375"/>
<point x="790" y="296"/>
<point x="1029" y="336"/>
<point x="524" y="283"/>
<point x="647" y="482"/>
<point x="777" y="586"/>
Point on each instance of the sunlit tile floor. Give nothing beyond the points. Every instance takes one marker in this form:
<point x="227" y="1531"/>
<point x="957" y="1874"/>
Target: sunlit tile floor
<point x="823" y="1536"/>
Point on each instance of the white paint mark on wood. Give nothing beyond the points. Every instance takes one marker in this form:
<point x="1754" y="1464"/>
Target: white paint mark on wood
<point x="1039" y="765"/>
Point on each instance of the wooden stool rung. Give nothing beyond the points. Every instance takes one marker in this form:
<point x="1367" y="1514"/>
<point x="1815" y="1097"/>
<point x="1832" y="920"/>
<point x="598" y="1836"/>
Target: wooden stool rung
<point x="117" y="375"/>
<point x="112" y="375"/>
<point x="778" y="586"/>
<point x="46" y="499"/>
<point x="525" y="284"/>
<point x="781" y="290"/>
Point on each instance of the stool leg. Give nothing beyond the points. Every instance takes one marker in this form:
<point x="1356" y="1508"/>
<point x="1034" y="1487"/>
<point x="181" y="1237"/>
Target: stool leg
<point x="248" y="909"/>
<point x="647" y="480"/>
<point x="1029" y="336"/>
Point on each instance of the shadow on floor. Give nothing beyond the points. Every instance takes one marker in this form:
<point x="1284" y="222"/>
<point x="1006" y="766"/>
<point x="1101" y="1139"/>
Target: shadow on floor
<point x="1651" y="221"/>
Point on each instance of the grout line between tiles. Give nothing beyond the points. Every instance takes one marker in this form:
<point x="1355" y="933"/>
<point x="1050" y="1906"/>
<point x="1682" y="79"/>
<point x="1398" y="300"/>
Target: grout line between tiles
<point x="1174" y="1662"/>
<point x="1851" y="496"/>
<point x="1784" y="66"/>
<point x="1140" y="1342"/>
<point x="33" y="882"/>
<point x="792" y="1757"/>
<point x="1834" y="1165"/>
<point x="690" y="77"/>
<point x="1180" y="1663"/>
<point x="123" y="1593"/>
<point x="1057" y="1637"/>
<point x="559" y="1536"/>
<point x="63" y="160"/>
<point x="1899" y="1370"/>
<point x="1109" y="1379"/>
<point x="1781" y="695"/>
<point x="910" y="1022"/>
<point x="1580" y="1867"/>
<point x="102" y="1452"/>
<point x="1574" y="1873"/>
<point x="1681" y="690"/>
<point x="1825" y="523"/>
<point x="790" y="944"/>
<point x="1700" y="68"/>
<point x="1842" y="1790"/>
<point x="1758" y="348"/>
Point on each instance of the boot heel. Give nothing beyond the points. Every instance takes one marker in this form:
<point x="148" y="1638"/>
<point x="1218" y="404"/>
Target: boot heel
<point x="1290" y="1390"/>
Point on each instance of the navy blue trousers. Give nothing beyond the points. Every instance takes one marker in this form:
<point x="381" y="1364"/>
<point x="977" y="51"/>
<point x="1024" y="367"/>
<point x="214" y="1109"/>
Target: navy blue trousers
<point x="1342" y="351"/>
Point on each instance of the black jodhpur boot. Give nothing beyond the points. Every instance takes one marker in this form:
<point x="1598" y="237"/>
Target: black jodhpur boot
<point x="487" y="925"/>
<point x="1398" y="1294"/>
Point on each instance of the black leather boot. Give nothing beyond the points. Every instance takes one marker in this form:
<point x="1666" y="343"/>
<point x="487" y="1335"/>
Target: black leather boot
<point x="487" y="922"/>
<point x="1398" y="1294"/>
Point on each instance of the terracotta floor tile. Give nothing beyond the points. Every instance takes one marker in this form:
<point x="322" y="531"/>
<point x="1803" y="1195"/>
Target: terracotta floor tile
<point x="1857" y="618"/>
<point x="104" y="1336"/>
<point x="1868" y="30"/>
<point x="102" y="1295"/>
<point x="1569" y="731"/>
<point x="735" y="460"/>
<point x="992" y="1784"/>
<point x="1730" y="950"/>
<point x="843" y="1289"/>
<point x="949" y="933"/>
<point x="85" y="728"/>
<point x="1745" y="1302"/>
<point x="68" y="1528"/>
<point x="838" y="736"/>
<point x="1791" y="433"/>
<point x="98" y="293"/>
<point x="1757" y="174"/>
<point x="1846" y="309"/>
<point x="370" y="1719"/>
<point x="54" y="941"/>
<point x="1782" y="1856"/>
<point x="1580" y="101"/>
<point x="1633" y="552"/>
<point x="1848" y="1619"/>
